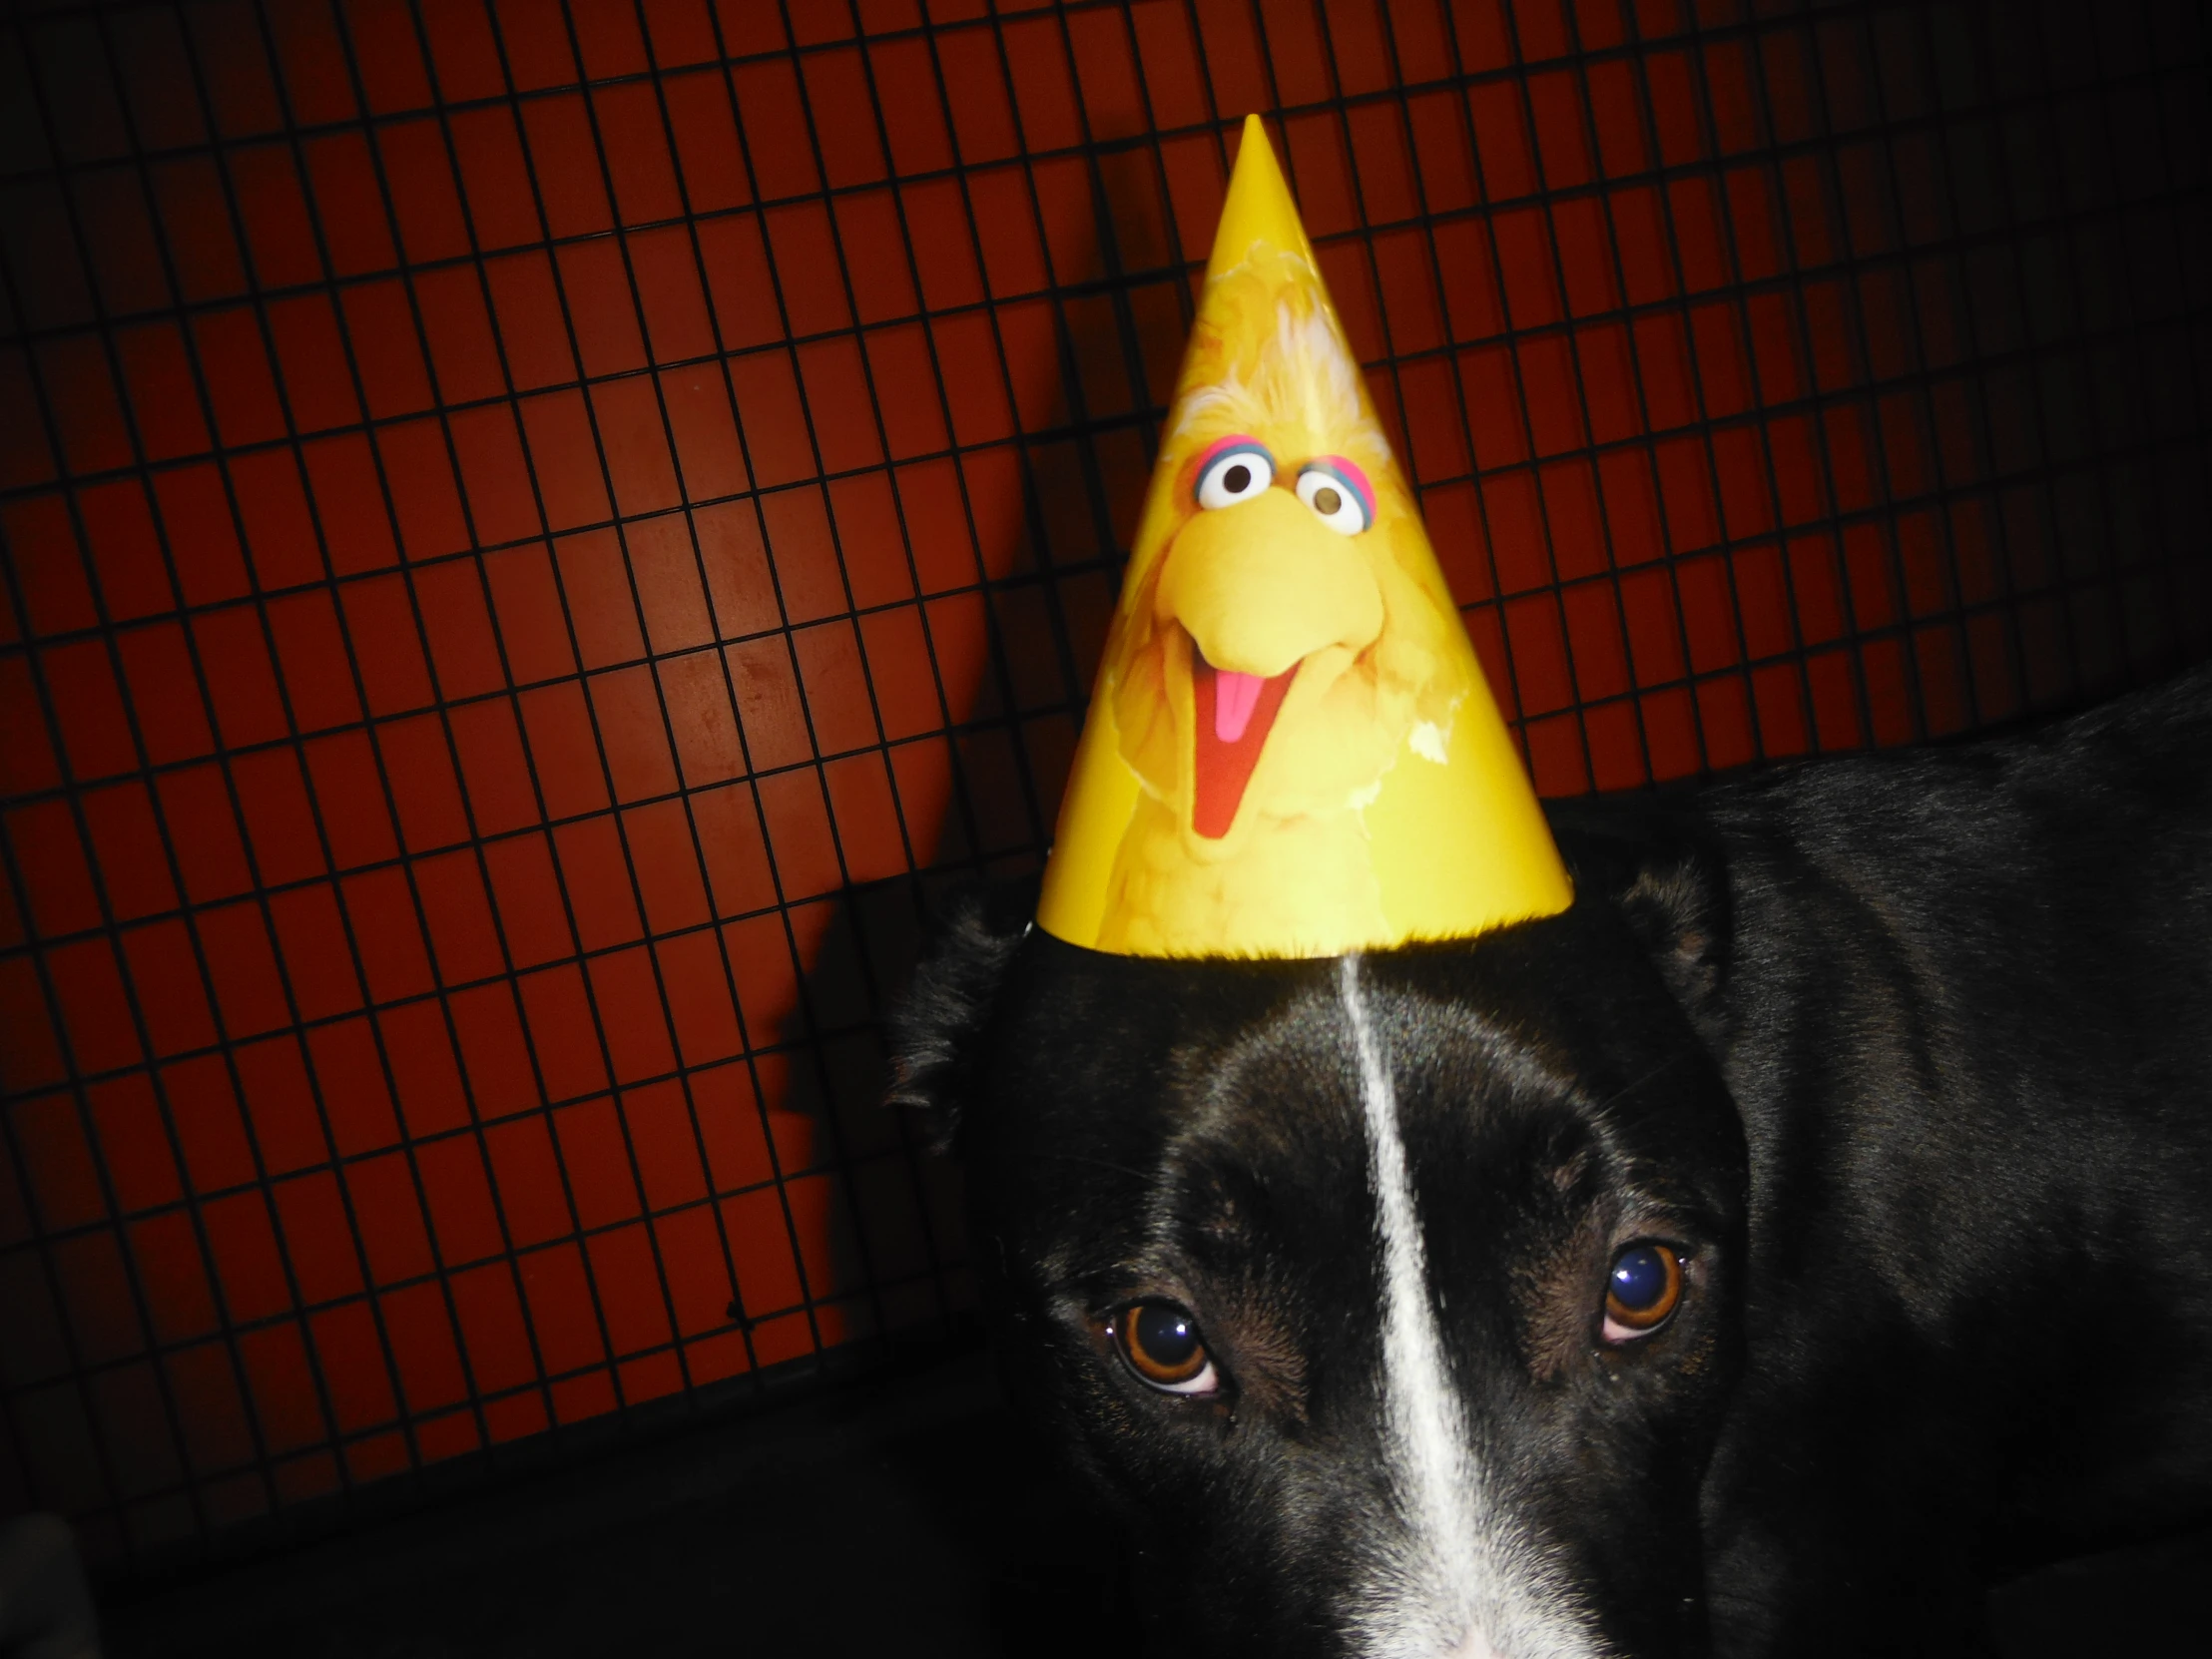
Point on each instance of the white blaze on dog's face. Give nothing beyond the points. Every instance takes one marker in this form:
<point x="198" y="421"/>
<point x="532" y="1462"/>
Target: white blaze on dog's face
<point x="1310" y="1267"/>
<point x="1470" y="1585"/>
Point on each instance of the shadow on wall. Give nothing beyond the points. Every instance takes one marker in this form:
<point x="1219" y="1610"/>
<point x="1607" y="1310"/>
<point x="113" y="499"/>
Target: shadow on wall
<point x="1014" y="648"/>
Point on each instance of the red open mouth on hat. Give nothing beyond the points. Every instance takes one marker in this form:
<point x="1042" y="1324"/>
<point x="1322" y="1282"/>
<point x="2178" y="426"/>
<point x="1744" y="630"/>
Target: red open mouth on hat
<point x="1233" y="714"/>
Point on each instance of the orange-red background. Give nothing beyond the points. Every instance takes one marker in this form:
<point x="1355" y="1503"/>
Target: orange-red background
<point x="524" y="525"/>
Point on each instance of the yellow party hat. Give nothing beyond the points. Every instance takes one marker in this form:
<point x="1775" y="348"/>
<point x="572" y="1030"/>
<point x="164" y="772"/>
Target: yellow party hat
<point x="1290" y="750"/>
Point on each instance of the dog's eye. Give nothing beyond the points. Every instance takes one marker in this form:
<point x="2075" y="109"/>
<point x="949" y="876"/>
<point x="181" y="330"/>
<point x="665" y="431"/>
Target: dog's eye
<point x="1642" y="1289"/>
<point x="1162" y="1346"/>
<point x="1339" y="493"/>
<point x="1234" y="470"/>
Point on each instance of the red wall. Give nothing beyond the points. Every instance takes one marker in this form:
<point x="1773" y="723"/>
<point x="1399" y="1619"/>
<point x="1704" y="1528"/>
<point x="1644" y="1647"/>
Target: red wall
<point x="524" y="526"/>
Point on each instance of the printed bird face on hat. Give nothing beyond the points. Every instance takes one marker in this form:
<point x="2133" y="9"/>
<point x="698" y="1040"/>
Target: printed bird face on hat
<point x="1290" y="750"/>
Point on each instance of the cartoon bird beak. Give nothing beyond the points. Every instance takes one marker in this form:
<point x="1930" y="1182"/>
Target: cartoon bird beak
<point x="1259" y="588"/>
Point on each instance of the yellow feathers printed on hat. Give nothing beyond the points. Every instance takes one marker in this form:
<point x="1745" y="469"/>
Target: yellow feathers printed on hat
<point x="1290" y="750"/>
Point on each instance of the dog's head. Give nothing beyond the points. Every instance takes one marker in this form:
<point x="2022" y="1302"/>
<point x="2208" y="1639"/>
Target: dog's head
<point x="1388" y="1299"/>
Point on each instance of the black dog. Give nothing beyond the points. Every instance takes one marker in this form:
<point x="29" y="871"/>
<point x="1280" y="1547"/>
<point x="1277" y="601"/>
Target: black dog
<point x="1813" y="1222"/>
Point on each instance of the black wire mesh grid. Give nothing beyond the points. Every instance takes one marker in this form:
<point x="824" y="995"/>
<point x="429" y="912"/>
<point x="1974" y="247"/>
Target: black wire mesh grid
<point x="536" y="532"/>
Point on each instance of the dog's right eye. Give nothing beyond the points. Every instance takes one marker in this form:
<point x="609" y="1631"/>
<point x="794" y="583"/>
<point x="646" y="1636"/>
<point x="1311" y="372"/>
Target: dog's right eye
<point x="1161" y="1344"/>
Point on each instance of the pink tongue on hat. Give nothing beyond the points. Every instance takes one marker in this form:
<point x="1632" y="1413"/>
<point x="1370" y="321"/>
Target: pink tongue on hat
<point x="1235" y="697"/>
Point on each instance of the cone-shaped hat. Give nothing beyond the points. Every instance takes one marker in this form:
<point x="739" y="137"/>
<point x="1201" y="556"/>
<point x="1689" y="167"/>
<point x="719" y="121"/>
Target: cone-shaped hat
<point x="1290" y="750"/>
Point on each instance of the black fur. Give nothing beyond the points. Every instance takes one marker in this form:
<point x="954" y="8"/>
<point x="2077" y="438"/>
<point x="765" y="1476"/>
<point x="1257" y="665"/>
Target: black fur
<point x="932" y="1033"/>
<point x="1911" y="1056"/>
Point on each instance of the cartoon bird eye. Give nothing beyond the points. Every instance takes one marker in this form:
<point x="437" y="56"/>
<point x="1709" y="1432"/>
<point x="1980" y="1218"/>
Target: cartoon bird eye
<point x="1234" y="470"/>
<point x="1641" y="1290"/>
<point x="1339" y="493"/>
<point x="1160" y="1343"/>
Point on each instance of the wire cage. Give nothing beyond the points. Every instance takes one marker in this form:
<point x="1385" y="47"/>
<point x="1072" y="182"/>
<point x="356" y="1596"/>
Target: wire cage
<point x="536" y="529"/>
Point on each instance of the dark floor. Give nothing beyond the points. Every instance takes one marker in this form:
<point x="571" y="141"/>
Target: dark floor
<point x="899" y="1518"/>
<point x="902" y="1517"/>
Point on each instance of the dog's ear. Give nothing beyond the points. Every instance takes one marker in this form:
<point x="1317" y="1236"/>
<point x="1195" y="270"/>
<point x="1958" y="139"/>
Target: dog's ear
<point x="1652" y="857"/>
<point x="934" y="1031"/>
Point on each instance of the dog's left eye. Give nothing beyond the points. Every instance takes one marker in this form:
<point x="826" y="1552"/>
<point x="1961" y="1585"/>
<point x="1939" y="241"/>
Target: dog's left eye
<point x="1162" y="1346"/>
<point x="1641" y="1290"/>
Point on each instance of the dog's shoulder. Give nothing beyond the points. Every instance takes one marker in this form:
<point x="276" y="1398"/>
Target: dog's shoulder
<point x="2034" y="900"/>
<point x="2138" y="765"/>
<point x="2082" y="840"/>
<point x="2114" y="800"/>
